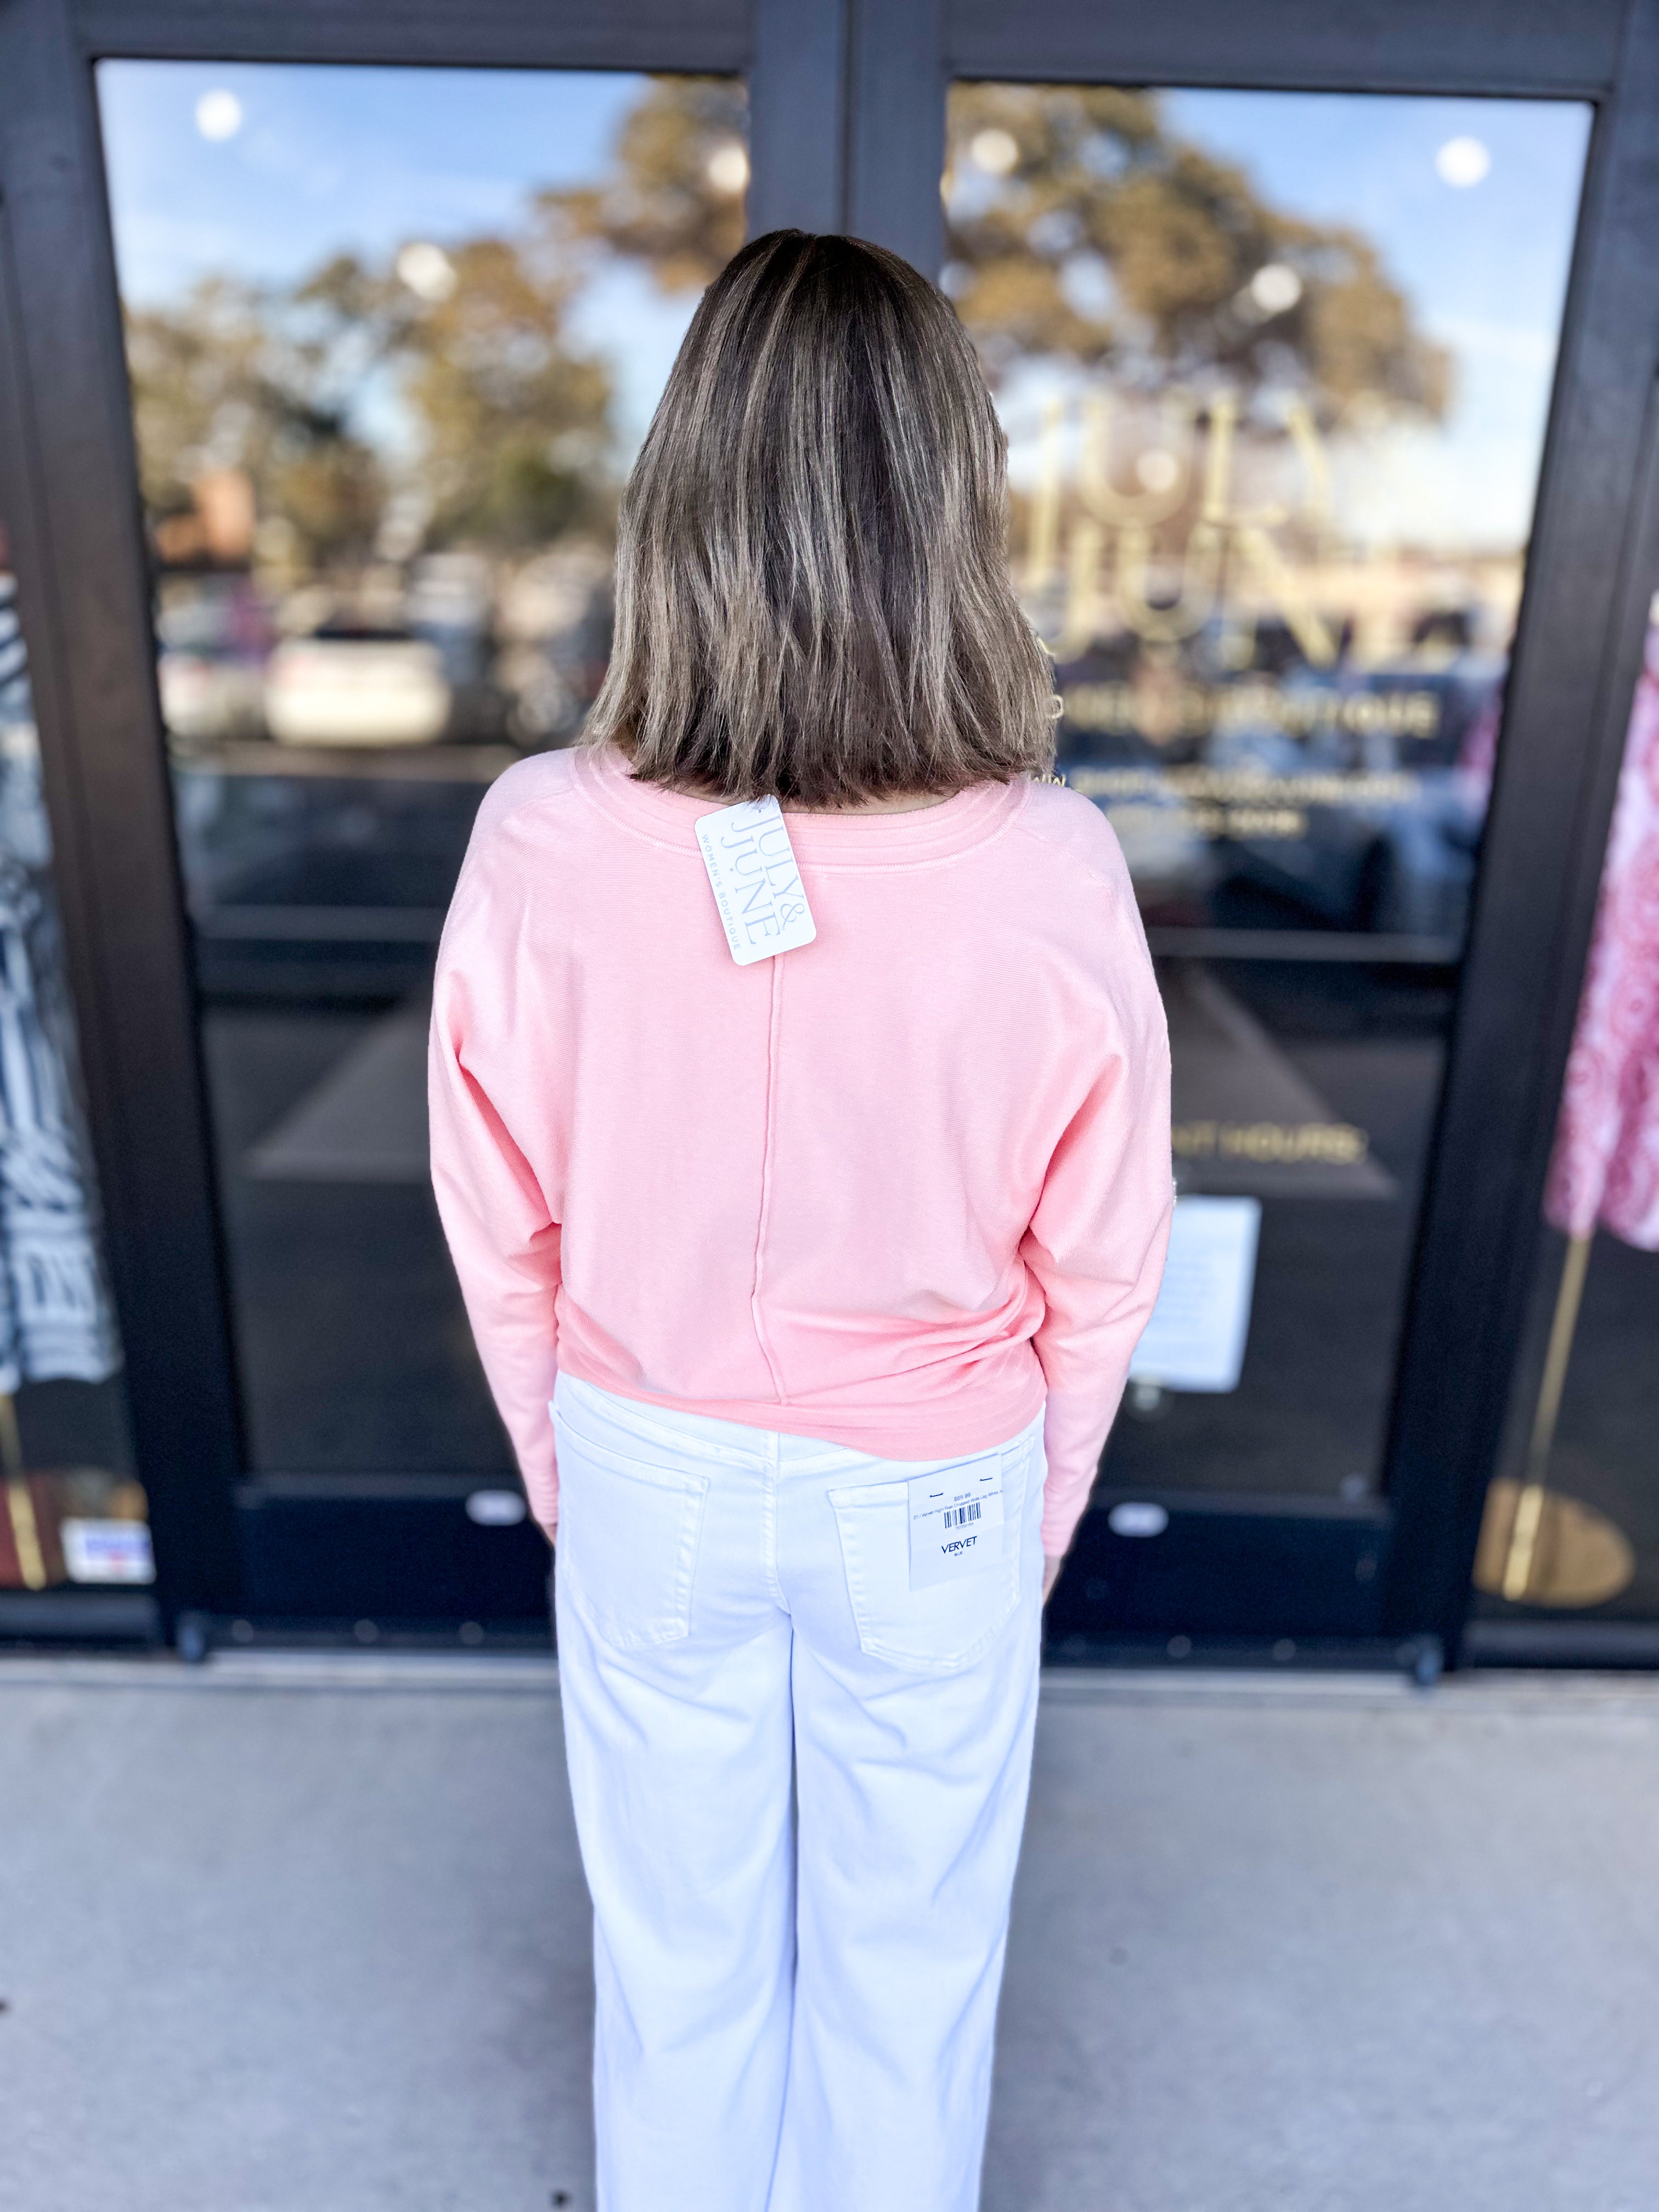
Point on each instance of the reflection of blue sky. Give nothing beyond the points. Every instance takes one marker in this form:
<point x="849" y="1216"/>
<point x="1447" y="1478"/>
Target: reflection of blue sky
<point x="1485" y="269"/>
<point x="330" y="160"/>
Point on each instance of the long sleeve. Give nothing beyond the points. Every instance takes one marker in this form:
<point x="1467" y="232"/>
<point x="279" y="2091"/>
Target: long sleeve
<point x="798" y="1196"/>
<point x="1098" y="1237"/>
<point x="502" y="1237"/>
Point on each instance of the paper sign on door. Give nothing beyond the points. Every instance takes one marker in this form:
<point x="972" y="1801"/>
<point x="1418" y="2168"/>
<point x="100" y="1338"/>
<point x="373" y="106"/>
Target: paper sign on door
<point x="1195" y="1338"/>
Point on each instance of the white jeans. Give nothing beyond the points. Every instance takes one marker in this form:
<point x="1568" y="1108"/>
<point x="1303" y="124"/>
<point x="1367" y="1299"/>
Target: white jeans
<point x="800" y="1786"/>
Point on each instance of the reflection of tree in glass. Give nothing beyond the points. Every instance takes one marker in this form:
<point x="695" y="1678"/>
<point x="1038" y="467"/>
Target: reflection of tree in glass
<point x="510" y="421"/>
<point x="515" y="425"/>
<point x="224" y="380"/>
<point x="513" y="441"/>
<point x="674" y="200"/>
<point x="1081" y="227"/>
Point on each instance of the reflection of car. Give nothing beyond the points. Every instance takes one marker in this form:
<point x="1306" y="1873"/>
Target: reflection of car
<point x="208" y="694"/>
<point x="353" y="685"/>
<point x="1400" y="857"/>
<point x="1168" y="860"/>
<point x="450" y="603"/>
<point x="209" y="668"/>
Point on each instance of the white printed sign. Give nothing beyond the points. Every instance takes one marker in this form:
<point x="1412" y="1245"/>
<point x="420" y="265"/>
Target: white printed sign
<point x="107" y="1551"/>
<point x="956" y="1520"/>
<point x="1195" y="1338"/>
<point x="757" y="885"/>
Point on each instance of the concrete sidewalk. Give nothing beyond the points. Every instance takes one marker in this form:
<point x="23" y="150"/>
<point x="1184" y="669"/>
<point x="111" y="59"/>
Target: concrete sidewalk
<point x="294" y="1936"/>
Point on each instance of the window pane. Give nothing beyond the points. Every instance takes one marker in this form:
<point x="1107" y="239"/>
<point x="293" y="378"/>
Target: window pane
<point x="394" y="336"/>
<point x="1275" y="369"/>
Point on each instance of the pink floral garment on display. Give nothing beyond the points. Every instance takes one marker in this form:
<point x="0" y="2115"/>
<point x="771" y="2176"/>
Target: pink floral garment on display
<point x="1605" y="1171"/>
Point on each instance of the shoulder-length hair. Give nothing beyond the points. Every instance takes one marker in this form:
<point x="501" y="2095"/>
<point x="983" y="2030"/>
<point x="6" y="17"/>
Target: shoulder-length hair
<point x="812" y="592"/>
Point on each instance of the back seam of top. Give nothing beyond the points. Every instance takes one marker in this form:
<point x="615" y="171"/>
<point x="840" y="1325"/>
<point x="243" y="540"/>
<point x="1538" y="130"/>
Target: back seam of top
<point x="772" y="1024"/>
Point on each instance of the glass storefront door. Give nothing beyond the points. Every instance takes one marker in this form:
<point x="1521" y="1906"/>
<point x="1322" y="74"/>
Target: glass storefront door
<point x="392" y="336"/>
<point x="378" y="342"/>
<point x="1275" y="369"/>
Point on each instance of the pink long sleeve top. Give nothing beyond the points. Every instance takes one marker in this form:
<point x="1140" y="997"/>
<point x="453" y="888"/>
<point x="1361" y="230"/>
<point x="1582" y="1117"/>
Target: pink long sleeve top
<point x="889" y="1188"/>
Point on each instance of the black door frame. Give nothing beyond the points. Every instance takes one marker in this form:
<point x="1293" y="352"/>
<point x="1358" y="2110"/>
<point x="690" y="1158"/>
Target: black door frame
<point x="848" y="126"/>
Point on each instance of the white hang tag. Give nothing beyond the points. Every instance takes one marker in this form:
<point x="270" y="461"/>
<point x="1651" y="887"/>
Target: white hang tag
<point x="757" y="885"/>
<point x="956" y="1520"/>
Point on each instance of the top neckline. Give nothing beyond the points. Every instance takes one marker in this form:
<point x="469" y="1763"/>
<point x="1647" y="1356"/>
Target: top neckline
<point x="863" y="841"/>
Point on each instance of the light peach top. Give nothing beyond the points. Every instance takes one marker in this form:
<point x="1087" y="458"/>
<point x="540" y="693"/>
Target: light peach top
<point x="883" y="1190"/>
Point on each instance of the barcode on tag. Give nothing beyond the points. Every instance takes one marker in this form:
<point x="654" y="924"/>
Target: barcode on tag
<point x="956" y="1520"/>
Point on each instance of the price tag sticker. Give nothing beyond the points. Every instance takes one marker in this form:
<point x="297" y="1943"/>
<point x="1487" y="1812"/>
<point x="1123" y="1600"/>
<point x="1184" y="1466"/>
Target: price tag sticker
<point x="757" y="885"/>
<point x="955" y="1521"/>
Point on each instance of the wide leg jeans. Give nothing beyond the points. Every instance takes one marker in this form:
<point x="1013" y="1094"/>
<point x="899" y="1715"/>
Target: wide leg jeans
<point x="799" y="1785"/>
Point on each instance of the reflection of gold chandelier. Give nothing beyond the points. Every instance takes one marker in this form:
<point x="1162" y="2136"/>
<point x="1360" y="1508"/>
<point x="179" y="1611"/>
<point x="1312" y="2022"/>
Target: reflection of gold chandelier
<point x="1224" y="540"/>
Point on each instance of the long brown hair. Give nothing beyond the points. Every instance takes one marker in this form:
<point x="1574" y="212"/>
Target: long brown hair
<point x="812" y="592"/>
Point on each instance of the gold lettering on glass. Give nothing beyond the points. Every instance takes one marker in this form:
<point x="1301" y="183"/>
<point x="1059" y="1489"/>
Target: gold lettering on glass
<point x="1122" y="548"/>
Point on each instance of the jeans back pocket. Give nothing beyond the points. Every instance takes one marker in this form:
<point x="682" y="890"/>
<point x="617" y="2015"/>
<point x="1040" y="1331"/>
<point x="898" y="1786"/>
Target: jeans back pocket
<point x="626" y="1550"/>
<point x="948" y="1624"/>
